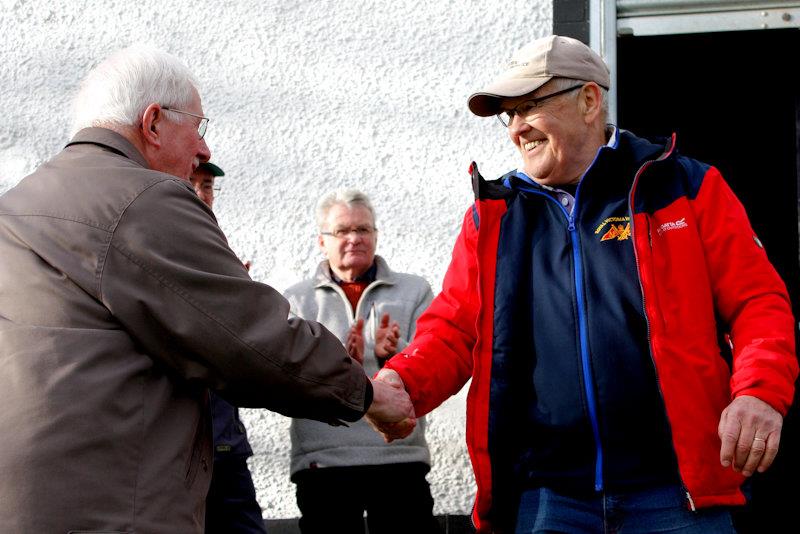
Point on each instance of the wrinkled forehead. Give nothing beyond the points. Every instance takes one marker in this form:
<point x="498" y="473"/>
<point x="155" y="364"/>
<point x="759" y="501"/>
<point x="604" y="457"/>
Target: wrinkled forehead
<point x="343" y="213"/>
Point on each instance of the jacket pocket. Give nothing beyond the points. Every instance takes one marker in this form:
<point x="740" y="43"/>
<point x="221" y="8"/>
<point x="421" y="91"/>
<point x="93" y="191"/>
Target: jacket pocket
<point x="200" y="444"/>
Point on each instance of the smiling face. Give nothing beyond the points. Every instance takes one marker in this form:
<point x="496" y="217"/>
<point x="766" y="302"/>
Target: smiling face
<point x="352" y="254"/>
<point x="558" y="138"/>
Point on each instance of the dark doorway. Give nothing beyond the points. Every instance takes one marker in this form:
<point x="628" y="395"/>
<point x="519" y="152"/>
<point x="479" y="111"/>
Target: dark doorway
<point x="733" y="100"/>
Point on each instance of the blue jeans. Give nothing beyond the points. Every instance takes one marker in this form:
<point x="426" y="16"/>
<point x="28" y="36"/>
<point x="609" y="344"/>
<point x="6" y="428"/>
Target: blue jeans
<point x="662" y="509"/>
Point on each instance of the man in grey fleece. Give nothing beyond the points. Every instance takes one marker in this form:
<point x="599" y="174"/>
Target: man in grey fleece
<point x="121" y="304"/>
<point x="342" y="472"/>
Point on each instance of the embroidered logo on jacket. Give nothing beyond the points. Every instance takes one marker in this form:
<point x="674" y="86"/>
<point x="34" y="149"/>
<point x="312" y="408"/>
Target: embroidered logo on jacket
<point x="619" y="231"/>
<point x="672" y="225"/>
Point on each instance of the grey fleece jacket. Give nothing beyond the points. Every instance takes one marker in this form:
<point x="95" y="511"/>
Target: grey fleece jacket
<point x="404" y="297"/>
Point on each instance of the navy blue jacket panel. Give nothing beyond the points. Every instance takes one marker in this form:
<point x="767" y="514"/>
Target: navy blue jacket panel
<point x="230" y="436"/>
<point x="576" y="403"/>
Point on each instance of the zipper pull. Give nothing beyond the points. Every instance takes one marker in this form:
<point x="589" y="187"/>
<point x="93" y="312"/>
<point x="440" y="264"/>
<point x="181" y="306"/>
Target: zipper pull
<point x="571" y="225"/>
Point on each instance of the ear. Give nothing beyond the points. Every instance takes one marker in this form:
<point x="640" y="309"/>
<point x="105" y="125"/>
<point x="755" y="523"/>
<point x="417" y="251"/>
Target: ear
<point x="151" y="124"/>
<point x="321" y="243"/>
<point x="591" y="102"/>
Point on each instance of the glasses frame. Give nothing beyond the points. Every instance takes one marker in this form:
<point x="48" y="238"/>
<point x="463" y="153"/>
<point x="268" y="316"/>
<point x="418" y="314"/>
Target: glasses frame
<point x="201" y="128"/>
<point x="534" y="103"/>
<point x="363" y="233"/>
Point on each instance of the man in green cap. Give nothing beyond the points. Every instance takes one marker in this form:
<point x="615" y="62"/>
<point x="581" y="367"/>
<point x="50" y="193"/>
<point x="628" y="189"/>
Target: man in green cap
<point x="231" y="505"/>
<point x="203" y="181"/>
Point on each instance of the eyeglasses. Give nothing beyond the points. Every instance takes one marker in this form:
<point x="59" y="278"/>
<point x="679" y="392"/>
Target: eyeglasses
<point x="201" y="128"/>
<point x="210" y="188"/>
<point x="524" y="109"/>
<point x="342" y="233"/>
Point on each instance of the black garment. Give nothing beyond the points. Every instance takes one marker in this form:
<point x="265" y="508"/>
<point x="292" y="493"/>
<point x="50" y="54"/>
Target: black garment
<point x="368" y="276"/>
<point x="396" y="497"/>
<point x="230" y="436"/>
<point x="231" y="506"/>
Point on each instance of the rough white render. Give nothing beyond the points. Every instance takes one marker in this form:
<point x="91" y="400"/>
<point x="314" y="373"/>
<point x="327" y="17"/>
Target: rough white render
<point x="304" y="96"/>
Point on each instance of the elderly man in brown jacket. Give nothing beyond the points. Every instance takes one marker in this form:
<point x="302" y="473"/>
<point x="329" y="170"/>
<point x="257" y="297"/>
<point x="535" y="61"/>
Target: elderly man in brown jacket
<point x="121" y="304"/>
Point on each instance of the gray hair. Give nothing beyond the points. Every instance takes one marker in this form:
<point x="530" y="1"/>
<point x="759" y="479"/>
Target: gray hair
<point x="118" y="90"/>
<point x="560" y="84"/>
<point x="346" y="197"/>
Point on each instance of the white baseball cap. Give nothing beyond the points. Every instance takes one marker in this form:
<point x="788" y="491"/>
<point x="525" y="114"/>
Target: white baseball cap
<point x="536" y="64"/>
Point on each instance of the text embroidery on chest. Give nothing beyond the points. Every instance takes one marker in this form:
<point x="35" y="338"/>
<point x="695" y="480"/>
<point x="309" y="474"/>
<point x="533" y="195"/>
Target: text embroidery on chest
<point x="619" y="228"/>
<point x="672" y="225"/>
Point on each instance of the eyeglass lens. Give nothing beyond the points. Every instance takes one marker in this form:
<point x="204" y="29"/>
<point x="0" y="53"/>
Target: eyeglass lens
<point x="524" y="109"/>
<point x="360" y="231"/>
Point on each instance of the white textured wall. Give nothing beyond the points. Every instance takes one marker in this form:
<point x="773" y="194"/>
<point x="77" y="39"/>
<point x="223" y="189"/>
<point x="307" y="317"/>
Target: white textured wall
<point x="304" y="96"/>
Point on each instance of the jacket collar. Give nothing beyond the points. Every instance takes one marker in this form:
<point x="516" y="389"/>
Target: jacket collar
<point x="383" y="275"/>
<point x="643" y="150"/>
<point x="110" y="140"/>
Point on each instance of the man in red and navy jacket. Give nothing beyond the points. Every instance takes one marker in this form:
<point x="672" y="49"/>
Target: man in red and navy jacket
<point x="630" y="346"/>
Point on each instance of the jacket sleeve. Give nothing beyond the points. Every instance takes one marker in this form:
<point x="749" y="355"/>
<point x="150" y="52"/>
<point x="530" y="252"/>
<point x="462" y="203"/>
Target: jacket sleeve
<point x="749" y="295"/>
<point x="438" y="362"/>
<point x="185" y="298"/>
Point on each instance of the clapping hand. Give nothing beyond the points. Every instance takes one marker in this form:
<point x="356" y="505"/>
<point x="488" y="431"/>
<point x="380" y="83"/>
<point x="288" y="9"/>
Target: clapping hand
<point x="355" y="341"/>
<point x="391" y="413"/>
<point x="386" y="337"/>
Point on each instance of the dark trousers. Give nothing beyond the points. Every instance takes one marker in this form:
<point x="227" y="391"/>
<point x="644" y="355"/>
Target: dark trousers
<point x="231" y="506"/>
<point x="396" y="498"/>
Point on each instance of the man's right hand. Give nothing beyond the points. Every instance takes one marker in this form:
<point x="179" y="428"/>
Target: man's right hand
<point x="391" y="413"/>
<point x="355" y="341"/>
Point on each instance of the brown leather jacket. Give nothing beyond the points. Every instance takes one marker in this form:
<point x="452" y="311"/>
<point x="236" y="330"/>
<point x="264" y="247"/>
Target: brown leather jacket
<point x="120" y="304"/>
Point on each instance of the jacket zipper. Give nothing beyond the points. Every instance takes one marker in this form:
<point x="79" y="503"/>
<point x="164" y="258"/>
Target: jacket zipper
<point x="641" y="289"/>
<point x="354" y="313"/>
<point x="586" y="370"/>
<point x="588" y="379"/>
<point x="349" y="307"/>
<point x="363" y="298"/>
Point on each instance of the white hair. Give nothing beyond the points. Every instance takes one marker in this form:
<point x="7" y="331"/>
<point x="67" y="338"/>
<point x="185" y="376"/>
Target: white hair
<point x="118" y="90"/>
<point x="560" y="84"/>
<point x="346" y="197"/>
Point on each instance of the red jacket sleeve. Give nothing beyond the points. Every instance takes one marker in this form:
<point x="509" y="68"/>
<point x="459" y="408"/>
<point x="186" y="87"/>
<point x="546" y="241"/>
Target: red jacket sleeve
<point x="749" y="296"/>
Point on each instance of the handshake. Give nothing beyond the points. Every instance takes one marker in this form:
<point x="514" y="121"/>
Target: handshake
<point x="391" y="413"/>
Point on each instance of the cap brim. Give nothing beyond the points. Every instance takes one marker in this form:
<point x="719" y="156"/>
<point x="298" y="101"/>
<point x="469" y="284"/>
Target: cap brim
<point x="213" y="169"/>
<point x="487" y="102"/>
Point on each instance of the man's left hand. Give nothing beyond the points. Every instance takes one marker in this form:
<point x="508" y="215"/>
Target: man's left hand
<point x="750" y="430"/>
<point x="386" y="336"/>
